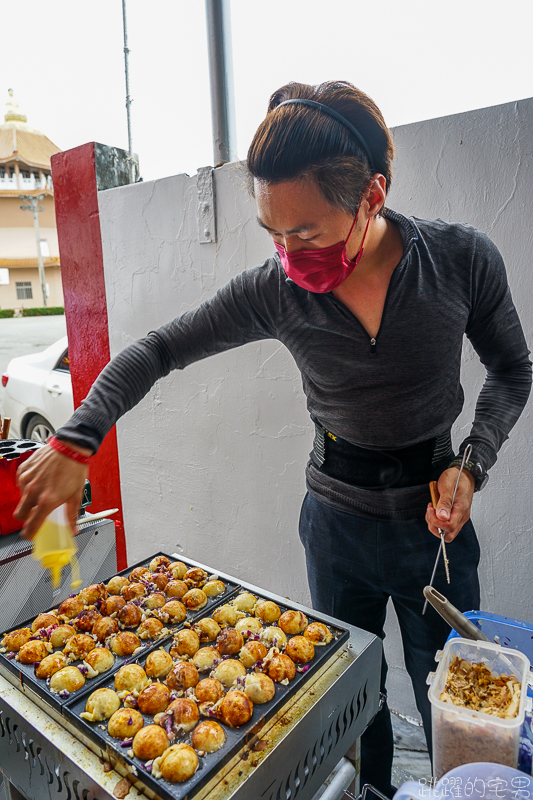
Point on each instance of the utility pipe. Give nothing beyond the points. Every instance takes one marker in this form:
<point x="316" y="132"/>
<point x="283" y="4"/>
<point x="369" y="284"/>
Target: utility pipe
<point x="221" y="80"/>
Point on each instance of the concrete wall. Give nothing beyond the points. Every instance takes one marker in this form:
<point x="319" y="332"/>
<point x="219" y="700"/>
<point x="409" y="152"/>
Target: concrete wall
<point x="212" y="459"/>
<point x="20" y="242"/>
<point x="17" y="243"/>
<point x="52" y="276"/>
<point x="12" y="216"/>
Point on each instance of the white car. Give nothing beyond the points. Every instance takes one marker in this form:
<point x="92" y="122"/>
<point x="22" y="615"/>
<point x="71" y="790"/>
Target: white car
<point x="38" y="392"/>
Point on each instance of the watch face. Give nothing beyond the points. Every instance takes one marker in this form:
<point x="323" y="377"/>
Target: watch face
<point x="480" y="476"/>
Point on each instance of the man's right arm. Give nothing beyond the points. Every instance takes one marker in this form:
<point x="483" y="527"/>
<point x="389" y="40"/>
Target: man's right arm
<point x="48" y="478"/>
<point x="227" y="320"/>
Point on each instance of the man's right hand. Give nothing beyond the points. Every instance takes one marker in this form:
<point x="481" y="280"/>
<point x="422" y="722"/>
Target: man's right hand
<point x="47" y="480"/>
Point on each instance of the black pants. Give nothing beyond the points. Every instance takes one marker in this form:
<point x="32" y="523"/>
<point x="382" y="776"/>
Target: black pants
<point x="354" y="564"/>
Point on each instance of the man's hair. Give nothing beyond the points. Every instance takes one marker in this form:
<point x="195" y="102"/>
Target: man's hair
<point x="298" y="141"/>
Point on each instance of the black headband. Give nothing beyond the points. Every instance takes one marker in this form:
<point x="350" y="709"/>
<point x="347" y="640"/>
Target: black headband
<point x="339" y="118"/>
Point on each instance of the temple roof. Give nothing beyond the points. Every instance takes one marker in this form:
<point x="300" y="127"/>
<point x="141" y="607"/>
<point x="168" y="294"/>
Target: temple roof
<point x="19" y="142"/>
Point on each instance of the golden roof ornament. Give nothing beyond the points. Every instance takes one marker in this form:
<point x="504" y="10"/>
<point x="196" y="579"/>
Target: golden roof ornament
<point x="13" y="113"/>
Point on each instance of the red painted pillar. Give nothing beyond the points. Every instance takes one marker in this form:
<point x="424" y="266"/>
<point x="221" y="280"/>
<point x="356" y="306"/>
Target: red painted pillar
<point x="74" y="173"/>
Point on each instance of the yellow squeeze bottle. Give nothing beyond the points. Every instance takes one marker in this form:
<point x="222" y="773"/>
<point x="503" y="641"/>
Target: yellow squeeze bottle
<point x="55" y="547"/>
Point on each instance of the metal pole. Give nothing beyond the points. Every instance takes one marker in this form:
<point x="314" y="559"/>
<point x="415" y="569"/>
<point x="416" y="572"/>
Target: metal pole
<point x="221" y="80"/>
<point x="128" y="98"/>
<point x="39" y="253"/>
<point x="33" y="206"/>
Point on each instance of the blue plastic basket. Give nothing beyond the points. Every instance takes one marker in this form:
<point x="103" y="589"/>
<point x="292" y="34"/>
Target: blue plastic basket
<point x="506" y="631"/>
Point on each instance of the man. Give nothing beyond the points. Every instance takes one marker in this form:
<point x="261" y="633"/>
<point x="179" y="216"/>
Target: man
<point x="373" y="307"/>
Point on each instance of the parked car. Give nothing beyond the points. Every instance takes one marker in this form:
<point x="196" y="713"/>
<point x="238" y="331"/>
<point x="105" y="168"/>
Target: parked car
<point x="38" y="392"/>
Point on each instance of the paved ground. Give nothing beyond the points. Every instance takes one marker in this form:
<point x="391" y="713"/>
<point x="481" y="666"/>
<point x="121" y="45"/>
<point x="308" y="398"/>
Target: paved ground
<point x="411" y="760"/>
<point x="21" y="336"/>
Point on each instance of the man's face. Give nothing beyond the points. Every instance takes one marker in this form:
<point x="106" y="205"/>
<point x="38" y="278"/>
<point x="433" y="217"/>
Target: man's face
<point x="299" y="218"/>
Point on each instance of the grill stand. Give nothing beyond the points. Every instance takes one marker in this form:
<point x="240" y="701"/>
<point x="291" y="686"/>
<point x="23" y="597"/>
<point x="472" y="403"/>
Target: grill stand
<point x="25" y="588"/>
<point x="338" y="782"/>
<point x="42" y="760"/>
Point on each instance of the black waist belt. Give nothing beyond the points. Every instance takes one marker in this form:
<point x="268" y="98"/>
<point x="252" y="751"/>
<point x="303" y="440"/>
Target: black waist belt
<point x="380" y="469"/>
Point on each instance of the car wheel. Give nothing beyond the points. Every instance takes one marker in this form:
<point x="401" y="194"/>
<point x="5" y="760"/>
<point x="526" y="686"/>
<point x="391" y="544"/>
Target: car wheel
<point x="38" y="429"/>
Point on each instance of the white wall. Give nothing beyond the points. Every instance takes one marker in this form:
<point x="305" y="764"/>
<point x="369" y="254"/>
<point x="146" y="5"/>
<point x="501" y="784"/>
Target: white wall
<point x="212" y="460"/>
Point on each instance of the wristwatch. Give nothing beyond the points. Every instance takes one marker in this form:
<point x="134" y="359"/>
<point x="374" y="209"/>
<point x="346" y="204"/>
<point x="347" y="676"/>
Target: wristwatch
<point x="474" y="468"/>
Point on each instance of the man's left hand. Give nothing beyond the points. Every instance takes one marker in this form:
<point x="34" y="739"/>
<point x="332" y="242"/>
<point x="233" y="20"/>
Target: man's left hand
<point x="444" y="516"/>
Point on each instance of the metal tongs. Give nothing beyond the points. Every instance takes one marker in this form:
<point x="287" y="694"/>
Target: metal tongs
<point x="442" y="534"/>
<point x="453" y="616"/>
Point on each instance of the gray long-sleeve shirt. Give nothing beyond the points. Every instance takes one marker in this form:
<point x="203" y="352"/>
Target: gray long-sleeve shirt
<point x="404" y="389"/>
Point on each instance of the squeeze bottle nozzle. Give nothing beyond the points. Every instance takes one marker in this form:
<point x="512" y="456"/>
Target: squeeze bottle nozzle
<point x="55" y="547"/>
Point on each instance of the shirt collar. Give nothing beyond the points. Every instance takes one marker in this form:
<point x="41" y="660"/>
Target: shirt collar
<point x="406" y="227"/>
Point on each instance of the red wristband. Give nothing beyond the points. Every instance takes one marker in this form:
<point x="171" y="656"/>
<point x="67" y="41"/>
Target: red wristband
<point x="67" y="451"/>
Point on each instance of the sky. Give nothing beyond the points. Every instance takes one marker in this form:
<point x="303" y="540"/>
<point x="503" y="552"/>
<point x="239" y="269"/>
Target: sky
<point x="418" y="59"/>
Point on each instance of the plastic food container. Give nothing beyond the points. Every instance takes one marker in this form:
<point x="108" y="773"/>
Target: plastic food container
<point x="512" y="634"/>
<point x="462" y="736"/>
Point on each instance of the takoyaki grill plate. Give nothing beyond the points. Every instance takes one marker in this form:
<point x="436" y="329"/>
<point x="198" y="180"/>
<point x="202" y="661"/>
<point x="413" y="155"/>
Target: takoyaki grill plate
<point x="236" y="738"/>
<point x="212" y="602"/>
<point x="23" y="675"/>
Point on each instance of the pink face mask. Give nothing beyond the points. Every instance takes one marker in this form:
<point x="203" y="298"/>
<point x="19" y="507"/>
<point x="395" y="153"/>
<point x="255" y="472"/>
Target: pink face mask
<point x="323" y="269"/>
